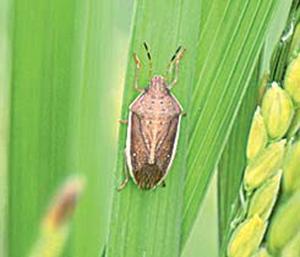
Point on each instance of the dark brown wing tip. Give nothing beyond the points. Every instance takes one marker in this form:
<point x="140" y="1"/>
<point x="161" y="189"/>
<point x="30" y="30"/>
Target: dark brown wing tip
<point x="145" y="188"/>
<point x="149" y="177"/>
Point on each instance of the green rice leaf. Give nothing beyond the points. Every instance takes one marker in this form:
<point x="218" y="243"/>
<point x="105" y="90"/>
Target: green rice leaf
<point x="230" y="42"/>
<point x="148" y="223"/>
<point x="233" y="161"/>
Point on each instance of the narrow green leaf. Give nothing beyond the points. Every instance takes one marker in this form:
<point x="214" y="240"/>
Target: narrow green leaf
<point x="233" y="160"/>
<point x="148" y="223"/>
<point x="277" y="25"/>
<point x="231" y="40"/>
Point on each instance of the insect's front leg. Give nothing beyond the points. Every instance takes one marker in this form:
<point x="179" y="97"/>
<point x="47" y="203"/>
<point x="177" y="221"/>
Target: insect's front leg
<point x="123" y="121"/>
<point x="136" y="75"/>
<point x="177" y="59"/>
<point x="126" y="180"/>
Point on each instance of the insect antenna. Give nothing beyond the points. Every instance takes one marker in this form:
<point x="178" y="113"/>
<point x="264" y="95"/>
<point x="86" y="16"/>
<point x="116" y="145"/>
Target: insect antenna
<point x="171" y="62"/>
<point x="149" y="58"/>
<point x="175" y="54"/>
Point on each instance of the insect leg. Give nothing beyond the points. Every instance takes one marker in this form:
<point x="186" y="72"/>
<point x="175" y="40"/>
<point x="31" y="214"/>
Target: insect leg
<point x="149" y="59"/>
<point x="126" y="180"/>
<point x="176" y="58"/>
<point x="183" y="114"/>
<point x="123" y="121"/>
<point x="137" y="71"/>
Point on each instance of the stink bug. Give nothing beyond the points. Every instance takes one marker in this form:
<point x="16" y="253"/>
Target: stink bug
<point x="153" y="127"/>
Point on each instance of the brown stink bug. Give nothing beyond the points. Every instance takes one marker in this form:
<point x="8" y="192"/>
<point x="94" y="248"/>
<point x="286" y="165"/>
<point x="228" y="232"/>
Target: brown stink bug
<point x="153" y="127"/>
